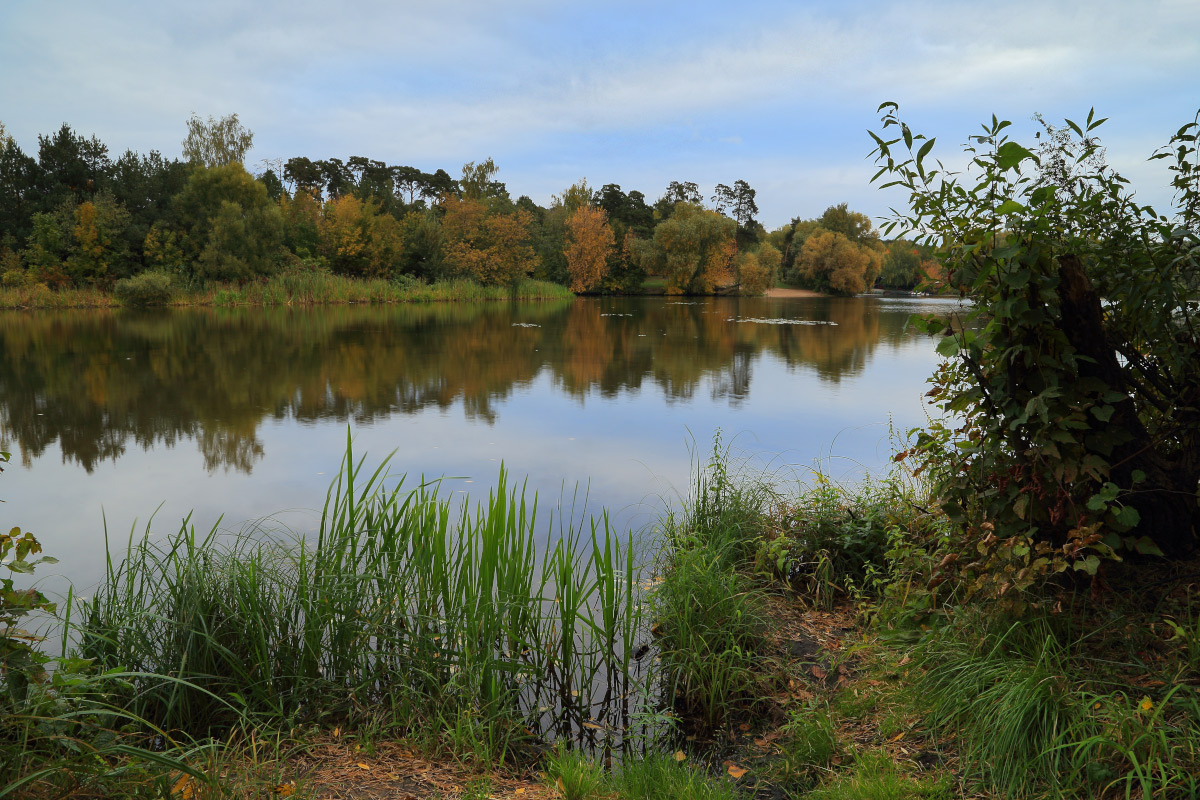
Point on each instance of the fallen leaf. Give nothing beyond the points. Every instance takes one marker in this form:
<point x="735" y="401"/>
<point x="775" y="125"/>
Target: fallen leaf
<point x="904" y="661"/>
<point x="745" y="726"/>
<point x="734" y="770"/>
<point x="361" y="765"/>
<point x="817" y="672"/>
<point x="185" y="787"/>
<point x="680" y="755"/>
<point x="899" y="736"/>
<point x="519" y="790"/>
<point x="337" y="732"/>
<point x="562" y="787"/>
<point x="284" y="789"/>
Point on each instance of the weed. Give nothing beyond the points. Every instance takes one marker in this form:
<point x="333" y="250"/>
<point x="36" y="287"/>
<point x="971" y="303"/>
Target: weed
<point x="661" y="777"/>
<point x="808" y="745"/>
<point x="574" y="775"/>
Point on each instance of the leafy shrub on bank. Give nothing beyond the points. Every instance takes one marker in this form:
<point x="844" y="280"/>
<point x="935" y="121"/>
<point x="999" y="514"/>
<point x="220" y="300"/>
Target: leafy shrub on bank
<point x="147" y="289"/>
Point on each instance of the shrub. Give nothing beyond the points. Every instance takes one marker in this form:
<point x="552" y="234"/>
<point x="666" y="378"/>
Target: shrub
<point x="148" y="289"/>
<point x="1073" y="381"/>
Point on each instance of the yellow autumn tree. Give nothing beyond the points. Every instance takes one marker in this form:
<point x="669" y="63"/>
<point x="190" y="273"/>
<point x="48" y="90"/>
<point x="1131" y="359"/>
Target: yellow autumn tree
<point x="589" y="244"/>
<point x="830" y="262"/>
<point x="358" y="239"/>
<point x="756" y="270"/>
<point x="98" y="253"/>
<point x="486" y="244"/>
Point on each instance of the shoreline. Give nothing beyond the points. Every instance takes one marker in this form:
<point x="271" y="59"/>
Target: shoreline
<point x="781" y="292"/>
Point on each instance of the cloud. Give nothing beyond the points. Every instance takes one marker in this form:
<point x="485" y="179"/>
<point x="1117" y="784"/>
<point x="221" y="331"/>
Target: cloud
<point x="443" y="83"/>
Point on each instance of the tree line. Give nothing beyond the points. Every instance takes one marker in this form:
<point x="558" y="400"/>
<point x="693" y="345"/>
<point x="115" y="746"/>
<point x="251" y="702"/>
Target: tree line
<point x="76" y="217"/>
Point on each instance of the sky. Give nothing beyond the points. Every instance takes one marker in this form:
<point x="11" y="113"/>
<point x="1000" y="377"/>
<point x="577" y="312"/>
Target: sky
<point x="779" y="94"/>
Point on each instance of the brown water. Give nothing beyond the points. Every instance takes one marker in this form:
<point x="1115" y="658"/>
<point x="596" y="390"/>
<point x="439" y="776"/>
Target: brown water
<point x="244" y="412"/>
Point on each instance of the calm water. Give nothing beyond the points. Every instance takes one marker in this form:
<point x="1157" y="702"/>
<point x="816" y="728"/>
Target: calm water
<point x="244" y="413"/>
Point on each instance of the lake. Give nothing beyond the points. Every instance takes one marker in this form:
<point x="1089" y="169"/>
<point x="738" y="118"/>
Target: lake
<point x="237" y="414"/>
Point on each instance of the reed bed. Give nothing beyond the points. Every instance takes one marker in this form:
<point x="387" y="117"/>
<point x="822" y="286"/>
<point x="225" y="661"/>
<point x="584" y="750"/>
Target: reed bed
<point x="39" y="296"/>
<point x="315" y="287"/>
<point x="403" y="611"/>
<point x="296" y="288"/>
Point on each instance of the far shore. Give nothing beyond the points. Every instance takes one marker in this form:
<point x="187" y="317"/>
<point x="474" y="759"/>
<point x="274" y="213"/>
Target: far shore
<point x="792" y="293"/>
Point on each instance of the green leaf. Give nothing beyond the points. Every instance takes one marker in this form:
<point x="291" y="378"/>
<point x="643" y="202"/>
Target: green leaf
<point x="1102" y="413"/>
<point x="1021" y="506"/>
<point x="948" y="346"/>
<point x="1010" y="154"/>
<point x="1010" y="207"/>
<point x="1137" y="476"/>
<point x="1147" y="547"/>
<point x="924" y="151"/>
<point x="1128" y="516"/>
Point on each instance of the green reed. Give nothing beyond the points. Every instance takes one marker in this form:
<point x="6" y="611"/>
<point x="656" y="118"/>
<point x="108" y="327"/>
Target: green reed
<point x="403" y="610"/>
<point x="316" y="287"/>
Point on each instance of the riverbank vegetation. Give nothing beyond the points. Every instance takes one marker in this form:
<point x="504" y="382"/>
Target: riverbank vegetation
<point x="1012" y="612"/>
<point x="74" y="219"/>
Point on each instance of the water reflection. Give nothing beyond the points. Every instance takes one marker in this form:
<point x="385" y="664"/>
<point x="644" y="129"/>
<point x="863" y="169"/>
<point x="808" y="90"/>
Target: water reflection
<point x="98" y="382"/>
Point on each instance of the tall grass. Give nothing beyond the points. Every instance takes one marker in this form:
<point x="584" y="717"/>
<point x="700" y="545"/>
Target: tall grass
<point x="39" y="296"/>
<point x="296" y="288"/>
<point x="315" y="287"/>
<point x="709" y="615"/>
<point x="1006" y="696"/>
<point x="403" y="610"/>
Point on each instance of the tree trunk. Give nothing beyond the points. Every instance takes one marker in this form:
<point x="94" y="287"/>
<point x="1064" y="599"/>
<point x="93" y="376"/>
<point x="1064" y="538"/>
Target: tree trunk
<point x="1166" y="500"/>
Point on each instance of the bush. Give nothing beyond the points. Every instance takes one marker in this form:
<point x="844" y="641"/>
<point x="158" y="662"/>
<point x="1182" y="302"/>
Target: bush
<point x="148" y="289"/>
<point x="1073" y="383"/>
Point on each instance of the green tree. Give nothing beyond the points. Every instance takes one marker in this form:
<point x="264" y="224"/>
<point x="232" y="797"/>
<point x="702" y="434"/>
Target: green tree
<point x="233" y="230"/>
<point x="694" y="250"/>
<point x="217" y="142"/>
<point x="576" y="196"/>
<point x="19" y="198"/>
<point x="477" y="181"/>
<point x="854" y="226"/>
<point x="901" y="266"/>
<point x="1074" y="378"/>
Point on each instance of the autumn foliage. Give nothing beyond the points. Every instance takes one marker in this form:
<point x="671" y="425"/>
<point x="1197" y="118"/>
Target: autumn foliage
<point x="485" y="244"/>
<point x="831" y="262"/>
<point x="589" y="244"/>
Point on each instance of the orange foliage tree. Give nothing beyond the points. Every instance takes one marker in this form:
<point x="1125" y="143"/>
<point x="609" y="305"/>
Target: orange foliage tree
<point x="486" y="244"/>
<point x="589" y="244"/>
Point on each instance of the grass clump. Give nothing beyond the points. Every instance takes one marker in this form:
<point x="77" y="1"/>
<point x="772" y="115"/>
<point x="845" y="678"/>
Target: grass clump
<point x="807" y="747"/>
<point x="710" y="616"/>
<point x="874" y="776"/>
<point x="662" y="777"/>
<point x="1007" y="699"/>
<point x="573" y="774"/>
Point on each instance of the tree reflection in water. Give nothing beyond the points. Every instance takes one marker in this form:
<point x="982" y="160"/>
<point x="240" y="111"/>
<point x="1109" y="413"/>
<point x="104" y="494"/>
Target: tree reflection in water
<point x="97" y="381"/>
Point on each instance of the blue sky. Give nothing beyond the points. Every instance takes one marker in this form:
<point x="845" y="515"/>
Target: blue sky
<point x="778" y="94"/>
